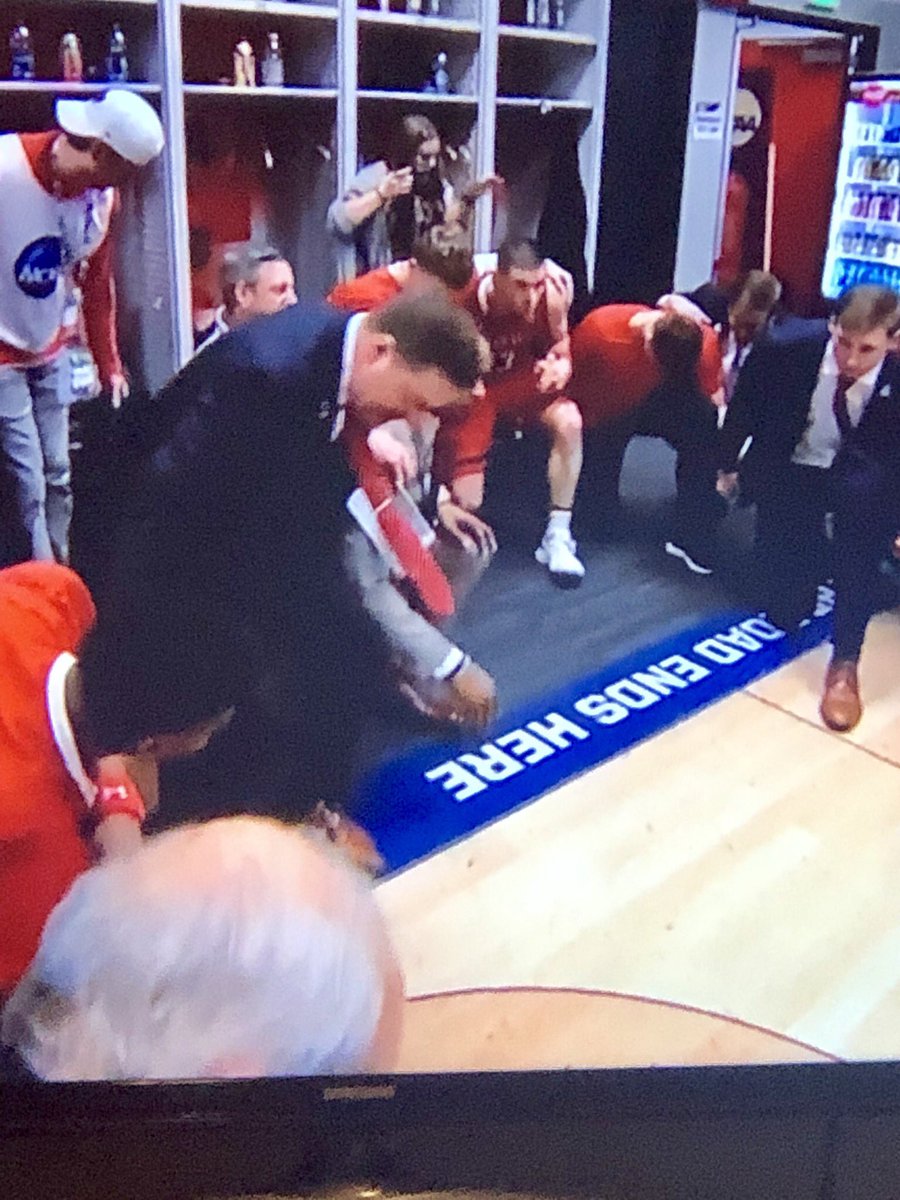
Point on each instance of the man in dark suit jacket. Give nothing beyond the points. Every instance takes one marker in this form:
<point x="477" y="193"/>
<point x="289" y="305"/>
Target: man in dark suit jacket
<point x="228" y="565"/>
<point x="822" y="405"/>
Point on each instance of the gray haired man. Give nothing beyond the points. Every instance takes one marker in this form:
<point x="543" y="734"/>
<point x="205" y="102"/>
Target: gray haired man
<point x="256" y="281"/>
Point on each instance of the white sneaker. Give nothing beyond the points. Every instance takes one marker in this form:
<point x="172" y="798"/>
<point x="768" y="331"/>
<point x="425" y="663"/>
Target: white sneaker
<point x="557" y="553"/>
<point x="692" y="564"/>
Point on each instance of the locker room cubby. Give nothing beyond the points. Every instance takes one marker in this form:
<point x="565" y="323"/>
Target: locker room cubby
<point x="396" y="59"/>
<point x="541" y="68"/>
<point x="379" y="117"/>
<point x="287" y="144"/>
<point x="93" y="21"/>
<point x="308" y="46"/>
<point x="529" y="178"/>
<point x="352" y="69"/>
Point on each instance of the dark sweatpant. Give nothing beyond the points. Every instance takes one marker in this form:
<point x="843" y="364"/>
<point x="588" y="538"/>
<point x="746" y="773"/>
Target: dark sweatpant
<point x="689" y="424"/>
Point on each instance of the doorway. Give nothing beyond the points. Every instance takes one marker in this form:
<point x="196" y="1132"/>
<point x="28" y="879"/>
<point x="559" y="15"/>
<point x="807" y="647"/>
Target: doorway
<point x="785" y="143"/>
<point x="767" y="104"/>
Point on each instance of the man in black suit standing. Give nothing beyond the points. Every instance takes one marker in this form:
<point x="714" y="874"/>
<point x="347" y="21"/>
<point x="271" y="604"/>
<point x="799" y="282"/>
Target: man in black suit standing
<point x="822" y="405"/>
<point x="228" y="566"/>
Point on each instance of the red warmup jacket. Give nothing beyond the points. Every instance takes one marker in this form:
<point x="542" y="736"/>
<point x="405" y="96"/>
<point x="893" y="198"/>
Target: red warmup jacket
<point x="45" y="610"/>
<point x="611" y="369"/>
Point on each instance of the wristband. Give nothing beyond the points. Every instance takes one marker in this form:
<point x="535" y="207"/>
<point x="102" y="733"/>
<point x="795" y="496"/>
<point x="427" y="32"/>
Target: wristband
<point x="463" y="662"/>
<point x="117" y="794"/>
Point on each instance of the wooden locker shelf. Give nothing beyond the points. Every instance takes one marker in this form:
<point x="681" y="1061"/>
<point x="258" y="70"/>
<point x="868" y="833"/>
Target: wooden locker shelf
<point x="279" y="9"/>
<point x="551" y="103"/>
<point x="559" y="37"/>
<point x="425" y="24"/>
<point x="261" y="93"/>
<point x="60" y="87"/>
<point x="418" y="98"/>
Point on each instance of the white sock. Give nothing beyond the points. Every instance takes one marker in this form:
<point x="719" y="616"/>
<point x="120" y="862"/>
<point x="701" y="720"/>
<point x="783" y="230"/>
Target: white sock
<point x="560" y="520"/>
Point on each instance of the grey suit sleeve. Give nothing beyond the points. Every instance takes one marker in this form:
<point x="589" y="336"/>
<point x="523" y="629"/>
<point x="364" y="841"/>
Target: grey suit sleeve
<point x="421" y="648"/>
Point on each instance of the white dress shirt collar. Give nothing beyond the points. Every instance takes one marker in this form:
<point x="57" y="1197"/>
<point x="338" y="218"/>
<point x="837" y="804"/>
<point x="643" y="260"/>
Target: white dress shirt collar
<point x="351" y="334"/>
<point x="860" y="391"/>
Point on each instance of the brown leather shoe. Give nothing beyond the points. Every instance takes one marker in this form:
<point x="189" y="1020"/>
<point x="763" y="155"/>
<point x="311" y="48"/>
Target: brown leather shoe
<point x="841" y="706"/>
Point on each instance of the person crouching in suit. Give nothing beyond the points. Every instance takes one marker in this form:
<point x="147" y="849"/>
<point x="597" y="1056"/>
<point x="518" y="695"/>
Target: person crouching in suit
<point x="395" y="463"/>
<point x="823" y="410"/>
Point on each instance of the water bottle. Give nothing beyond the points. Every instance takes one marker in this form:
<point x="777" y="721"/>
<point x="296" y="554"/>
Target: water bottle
<point x="21" y="53"/>
<point x="559" y="14"/>
<point x="440" y="77"/>
<point x="272" y="69"/>
<point x="71" y="62"/>
<point x="244" y="65"/>
<point x="117" y="58"/>
<point x="543" y="13"/>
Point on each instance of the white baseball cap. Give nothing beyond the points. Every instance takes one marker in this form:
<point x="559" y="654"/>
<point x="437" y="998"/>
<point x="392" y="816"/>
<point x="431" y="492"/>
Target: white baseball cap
<point x="120" y="118"/>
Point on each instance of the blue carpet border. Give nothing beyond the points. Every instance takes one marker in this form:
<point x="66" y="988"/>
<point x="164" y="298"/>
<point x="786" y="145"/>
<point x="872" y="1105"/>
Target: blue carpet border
<point x="435" y="794"/>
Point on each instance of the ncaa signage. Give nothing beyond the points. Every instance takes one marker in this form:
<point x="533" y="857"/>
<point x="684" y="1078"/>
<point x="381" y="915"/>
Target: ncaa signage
<point x="37" y="268"/>
<point x="747" y="117"/>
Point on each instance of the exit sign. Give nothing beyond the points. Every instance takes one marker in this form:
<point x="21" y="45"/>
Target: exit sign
<point x="830" y="4"/>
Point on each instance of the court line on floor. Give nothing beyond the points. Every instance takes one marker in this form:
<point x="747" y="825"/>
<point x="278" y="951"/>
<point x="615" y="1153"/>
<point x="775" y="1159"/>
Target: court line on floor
<point x="522" y="989"/>
<point x="817" y="725"/>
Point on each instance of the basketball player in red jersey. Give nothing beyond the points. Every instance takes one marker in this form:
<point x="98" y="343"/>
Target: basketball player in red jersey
<point x="442" y="256"/>
<point x="521" y="307"/>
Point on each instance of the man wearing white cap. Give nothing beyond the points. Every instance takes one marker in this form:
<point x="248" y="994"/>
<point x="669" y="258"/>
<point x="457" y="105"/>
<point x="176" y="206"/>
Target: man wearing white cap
<point x="59" y="192"/>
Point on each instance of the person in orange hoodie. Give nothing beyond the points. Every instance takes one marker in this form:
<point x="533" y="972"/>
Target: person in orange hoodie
<point x="78" y="762"/>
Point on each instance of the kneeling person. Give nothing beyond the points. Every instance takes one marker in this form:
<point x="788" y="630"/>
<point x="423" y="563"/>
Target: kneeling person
<point x="521" y="308"/>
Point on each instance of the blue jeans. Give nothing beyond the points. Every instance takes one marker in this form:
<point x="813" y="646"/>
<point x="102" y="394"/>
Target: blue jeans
<point x="34" y="437"/>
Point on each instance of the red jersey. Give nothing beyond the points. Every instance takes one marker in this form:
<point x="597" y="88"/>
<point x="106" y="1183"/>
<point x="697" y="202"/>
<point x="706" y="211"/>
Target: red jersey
<point x="376" y="288"/>
<point x="516" y="344"/>
<point x="611" y="369"/>
<point x="367" y="292"/>
<point x="45" y="611"/>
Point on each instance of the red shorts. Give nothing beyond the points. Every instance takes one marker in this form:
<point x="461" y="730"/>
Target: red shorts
<point x="514" y="399"/>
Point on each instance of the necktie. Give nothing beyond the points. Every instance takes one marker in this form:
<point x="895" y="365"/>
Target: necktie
<point x="839" y="406"/>
<point x="731" y="376"/>
<point x="416" y="561"/>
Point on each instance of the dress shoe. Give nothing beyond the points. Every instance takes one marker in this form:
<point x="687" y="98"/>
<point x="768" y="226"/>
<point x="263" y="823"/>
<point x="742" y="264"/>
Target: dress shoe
<point x="841" y="707"/>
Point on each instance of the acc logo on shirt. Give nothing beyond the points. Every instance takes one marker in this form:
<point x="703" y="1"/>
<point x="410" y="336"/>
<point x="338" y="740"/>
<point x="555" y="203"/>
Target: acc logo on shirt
<point x="37" y="267"/>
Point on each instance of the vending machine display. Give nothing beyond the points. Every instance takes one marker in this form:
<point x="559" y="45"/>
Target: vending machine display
<point x="864" y="235"/>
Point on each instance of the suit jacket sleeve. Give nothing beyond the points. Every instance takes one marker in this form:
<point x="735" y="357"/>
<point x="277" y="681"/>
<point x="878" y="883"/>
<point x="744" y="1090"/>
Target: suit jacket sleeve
<point x="411" y="637"/>
<point x="745" y="408"/>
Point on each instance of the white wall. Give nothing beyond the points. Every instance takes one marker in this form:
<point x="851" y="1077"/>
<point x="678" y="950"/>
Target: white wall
<point x="885" y="13"/>
<point x="706" y="158"/>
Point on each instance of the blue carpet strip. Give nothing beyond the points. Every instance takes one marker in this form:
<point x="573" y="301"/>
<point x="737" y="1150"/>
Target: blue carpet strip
<point x="429" y="797"/>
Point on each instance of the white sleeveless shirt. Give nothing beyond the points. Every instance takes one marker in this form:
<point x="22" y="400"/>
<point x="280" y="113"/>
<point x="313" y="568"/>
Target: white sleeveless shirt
<point x="42" y="239"/>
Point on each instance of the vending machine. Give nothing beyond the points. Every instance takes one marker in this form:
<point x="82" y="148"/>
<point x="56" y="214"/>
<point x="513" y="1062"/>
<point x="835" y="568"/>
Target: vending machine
<point x="864" y="234"/>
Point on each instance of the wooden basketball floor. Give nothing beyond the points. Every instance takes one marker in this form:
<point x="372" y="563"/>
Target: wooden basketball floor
<point x="728" y="891"/>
